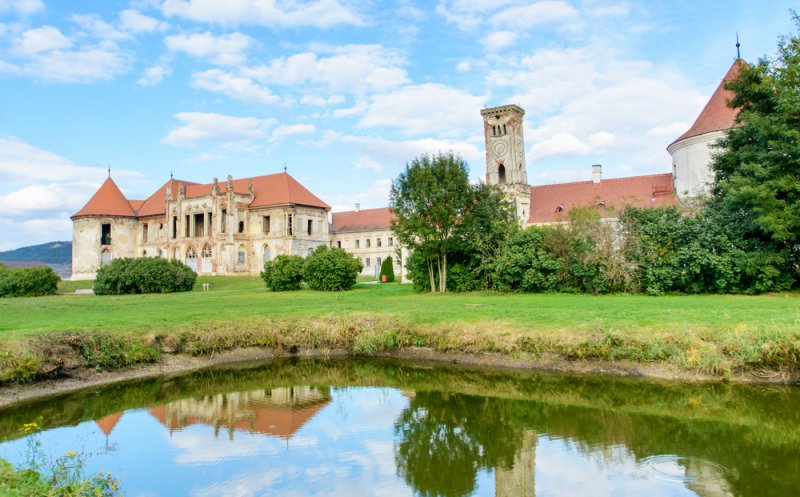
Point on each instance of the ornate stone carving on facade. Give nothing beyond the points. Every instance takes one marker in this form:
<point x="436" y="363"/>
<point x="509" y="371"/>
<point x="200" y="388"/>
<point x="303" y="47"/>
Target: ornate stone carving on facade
<point x="250" y="186"/>
<point x="169" y="193"/>
<point x="230" y="183"/>
<point x="181" y="191"/>
<point x="216" y="185"/>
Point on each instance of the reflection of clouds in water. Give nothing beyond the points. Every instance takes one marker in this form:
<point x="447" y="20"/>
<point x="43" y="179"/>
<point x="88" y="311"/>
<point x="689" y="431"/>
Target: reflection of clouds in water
<point x="303" y="442"/>
<point x="243" y="485"/>
<point x="564" y="470"/>
<point x="198" y="445"/>
<point x="383" y="454"/>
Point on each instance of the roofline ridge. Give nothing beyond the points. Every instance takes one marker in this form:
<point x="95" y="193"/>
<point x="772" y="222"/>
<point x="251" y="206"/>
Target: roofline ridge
<point x="601" y="181"/>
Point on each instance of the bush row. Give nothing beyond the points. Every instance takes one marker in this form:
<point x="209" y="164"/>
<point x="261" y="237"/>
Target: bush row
<point x="325" y="269"/>
<point x="144" y="275"/>
<point x="28" y="282"/>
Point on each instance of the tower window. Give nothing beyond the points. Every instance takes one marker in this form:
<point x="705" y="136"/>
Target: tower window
<point x="105" y="234"/>
<point x="501" y="174"/>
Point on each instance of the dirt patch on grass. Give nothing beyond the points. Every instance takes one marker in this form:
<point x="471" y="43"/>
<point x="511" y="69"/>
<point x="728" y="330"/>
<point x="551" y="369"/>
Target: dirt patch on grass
<point x="79" y="378"/>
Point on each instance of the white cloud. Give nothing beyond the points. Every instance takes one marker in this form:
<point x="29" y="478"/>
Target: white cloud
<point x="201" y="127"/>
<point x="92" y="25"/>
<point x="41" y="190"/>
<point x="499" y="40"/>
<point x="78" y="66"/>
<point x="534" y="14"/>
<point x="377" y="195"/>
<point x="285" y="130"/>
<point x="367" y="163"/>
<point x="469" y="13"/>
<point x="21" y="7"/>
<point x="152" y="76"/>
<point x="590" y="101"/>
<point x="349" y="69"/>
<point x="133" y="21"/>
<point x="269" y="13"/>
<point x="428" y="109"/>
<point x="320" y="101"/>
<point x="226" y="49"/>
<point x="619" y="9"/>
<point x="236" y="87"/>
<point x="21" y="162"/>
<point x="34" y="41"/>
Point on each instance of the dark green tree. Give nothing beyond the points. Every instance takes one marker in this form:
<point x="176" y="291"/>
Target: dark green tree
<point x="757" y="189"/>
<point x="387" y="269"/>
<point x="429" y="200"/>
<point x="331" y="269"/>
<point x="283" y="273"/>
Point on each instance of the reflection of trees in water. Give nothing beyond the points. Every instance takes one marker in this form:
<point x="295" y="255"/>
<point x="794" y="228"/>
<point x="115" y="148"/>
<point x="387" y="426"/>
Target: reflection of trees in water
<point x="445" y="440"/>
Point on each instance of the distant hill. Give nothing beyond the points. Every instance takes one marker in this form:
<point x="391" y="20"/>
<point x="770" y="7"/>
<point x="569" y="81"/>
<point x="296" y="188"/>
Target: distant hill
<point x="49" y="253"/>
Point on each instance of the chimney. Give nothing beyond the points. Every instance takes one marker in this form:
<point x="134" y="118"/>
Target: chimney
<point x="597" y="173"/>
<point x="358" y="207"/>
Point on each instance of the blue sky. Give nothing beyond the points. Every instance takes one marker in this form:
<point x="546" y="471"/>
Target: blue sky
<point x="343" y="92"/>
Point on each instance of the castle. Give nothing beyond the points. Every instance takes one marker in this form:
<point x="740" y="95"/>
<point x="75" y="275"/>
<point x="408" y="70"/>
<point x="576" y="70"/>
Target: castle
<point x="235" y="226"/>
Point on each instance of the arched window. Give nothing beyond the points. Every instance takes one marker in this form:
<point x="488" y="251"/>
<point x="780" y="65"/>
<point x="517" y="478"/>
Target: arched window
<point x="105" y="257"/>
<point x="191" y="258"/>
<point x="265" y="251"/>
<point x="144" y="253"/>
<point x="310" y="250"/>
<point x="501" y="174"/>
<point x="158" y="252"/>
<point x="207" y="251"/>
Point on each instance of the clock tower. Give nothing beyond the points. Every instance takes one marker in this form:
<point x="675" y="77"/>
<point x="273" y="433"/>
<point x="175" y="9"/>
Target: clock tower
<point x="505" y="156"/>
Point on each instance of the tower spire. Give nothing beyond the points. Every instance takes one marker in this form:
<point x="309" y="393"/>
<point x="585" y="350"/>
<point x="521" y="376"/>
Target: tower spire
<point x="738" y="54"/>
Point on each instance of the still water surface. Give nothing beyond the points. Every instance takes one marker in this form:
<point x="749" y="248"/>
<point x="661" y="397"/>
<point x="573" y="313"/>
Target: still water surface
<point x="353" y="428"/>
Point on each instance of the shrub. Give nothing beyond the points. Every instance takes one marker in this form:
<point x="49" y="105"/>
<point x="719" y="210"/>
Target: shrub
<point x="525" y="265"/>
<point x="387" y="269"/>
<point x="144" y="275"/>
<point x="283" y="273"/>
<point x="331" y="269"/>
<point x="28" y="282"/>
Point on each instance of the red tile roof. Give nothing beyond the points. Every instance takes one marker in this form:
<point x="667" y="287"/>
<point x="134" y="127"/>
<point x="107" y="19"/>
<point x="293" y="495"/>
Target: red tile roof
<point x="269" y="190"/>
<point x="108" y="423"/>
<point x="716" y="115"/>
<point x="107" y="201"/>
<point x="362" y="220"/>
<point x="551" y="203"/>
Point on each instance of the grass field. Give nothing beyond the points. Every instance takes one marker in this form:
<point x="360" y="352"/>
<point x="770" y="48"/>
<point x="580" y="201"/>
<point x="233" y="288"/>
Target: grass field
<point x="710" y="332"/>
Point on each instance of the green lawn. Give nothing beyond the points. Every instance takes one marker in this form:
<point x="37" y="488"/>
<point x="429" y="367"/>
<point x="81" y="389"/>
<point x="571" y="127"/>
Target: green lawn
<point x="237" y="298"/>
<point x="720" y="334"/>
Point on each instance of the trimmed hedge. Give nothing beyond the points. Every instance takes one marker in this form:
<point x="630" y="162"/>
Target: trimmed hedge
<point x="28" y="282"/>
<point x="144" y="275"/>
<point x="387" y="269"/>
<point x="331" y="269"/>
<point x="283" y="273"/>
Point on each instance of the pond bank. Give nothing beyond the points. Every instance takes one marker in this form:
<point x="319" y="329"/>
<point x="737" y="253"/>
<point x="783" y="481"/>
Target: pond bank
<point x="84" y="377"/>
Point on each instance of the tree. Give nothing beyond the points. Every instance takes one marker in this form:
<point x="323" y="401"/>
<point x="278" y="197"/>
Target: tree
<point x="387" y="269"/>
<point x="429" y="200"/>
<point x="331" y="269"/>
<point x="283" y="273"/>
<point x="757" y="190"/>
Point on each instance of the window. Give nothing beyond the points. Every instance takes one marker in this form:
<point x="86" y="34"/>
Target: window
<point x="105" y="257"/>
<point x="240" y="217"/>
<point x="174" y="226"/>
<point x="378" y="262"/>
<point x="391" y="241"/>
<point x="105" y="234"/>
<point x="266" y="253"/>
<point x="210" y="225"/>
<point x="144" y="253"/>
<point x="222" y="221"/>
<point x="369" y="242"/>
<point x="241" y="226"/>
<point x="240" y="259"/>
<point x="207" y="252"/>
<point x="501" y="174"/>
<point x="289" y="224"/>
<point x="265" y="224"/>
<point x="158" y="252"/>
<point x="366" y="263"/>
<point x="310" y="224"/>
<point x="160" y="230"/>
<point x="144" y="233"/>
<point x="338" y="244"/>
<point x="186" y="231"/>
<point x="379" y="242"/>
<point x="310" y="250"/>
<point x="358" y="243"/>
<point x="199" y="224"/>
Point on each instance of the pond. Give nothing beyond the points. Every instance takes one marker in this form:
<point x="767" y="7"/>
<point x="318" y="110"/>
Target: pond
<point x="385" y="428"/>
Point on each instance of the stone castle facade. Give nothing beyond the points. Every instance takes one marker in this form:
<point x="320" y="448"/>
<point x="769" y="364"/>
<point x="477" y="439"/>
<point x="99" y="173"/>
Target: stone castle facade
<point x="235" y="226"/>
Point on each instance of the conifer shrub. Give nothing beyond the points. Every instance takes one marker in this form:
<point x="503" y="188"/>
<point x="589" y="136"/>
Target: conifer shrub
<point x="331" y="269"/>
<point x="387" y="269"/>
<point x="283" y="273"/>
<point x="144" y="275"/>
<point x="28" y="282"/>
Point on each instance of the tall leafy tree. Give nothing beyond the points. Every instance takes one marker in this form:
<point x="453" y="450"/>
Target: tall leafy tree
<point x="429" y="200"/>
<point x="757" y="188"/>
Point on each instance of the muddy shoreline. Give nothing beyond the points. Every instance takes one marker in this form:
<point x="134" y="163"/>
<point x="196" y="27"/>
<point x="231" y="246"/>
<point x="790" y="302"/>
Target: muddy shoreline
<point x="178" y="364"/>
